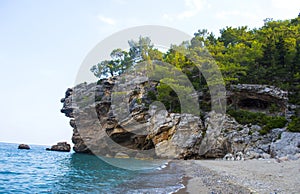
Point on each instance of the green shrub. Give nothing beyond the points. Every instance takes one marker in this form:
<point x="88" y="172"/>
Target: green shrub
<point x="294" y="125"/>
<point x="272" y="123"/>
<point x="275" y="122"/>
<point x="263" y="131"/>
<point x="274" y="108"/>
<point x="246" y="117"/>
<point x="257" y="118"/>
<point x="151" y="95"/>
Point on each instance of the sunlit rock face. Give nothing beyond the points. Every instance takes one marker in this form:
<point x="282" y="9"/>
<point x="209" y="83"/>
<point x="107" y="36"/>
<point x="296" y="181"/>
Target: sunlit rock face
<point x="107" y="122"/>
<point x="119" y="118"/>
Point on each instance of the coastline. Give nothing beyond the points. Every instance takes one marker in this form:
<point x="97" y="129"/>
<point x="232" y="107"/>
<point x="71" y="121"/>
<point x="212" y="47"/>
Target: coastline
<point x="250" y="176"/>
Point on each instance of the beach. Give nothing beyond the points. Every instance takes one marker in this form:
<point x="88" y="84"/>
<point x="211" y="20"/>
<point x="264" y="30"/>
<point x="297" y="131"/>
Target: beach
<point x="250" y="176"/>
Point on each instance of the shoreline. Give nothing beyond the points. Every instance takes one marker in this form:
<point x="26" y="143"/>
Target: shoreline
<point x="249" y="176"/>
<point x="200" y="179"/>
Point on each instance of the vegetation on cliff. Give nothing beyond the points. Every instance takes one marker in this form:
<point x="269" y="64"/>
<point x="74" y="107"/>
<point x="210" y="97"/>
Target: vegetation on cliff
<point x="266" y="55"/>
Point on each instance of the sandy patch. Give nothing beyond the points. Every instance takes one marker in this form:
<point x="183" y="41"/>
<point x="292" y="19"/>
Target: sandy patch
<point x="251" y="176"/>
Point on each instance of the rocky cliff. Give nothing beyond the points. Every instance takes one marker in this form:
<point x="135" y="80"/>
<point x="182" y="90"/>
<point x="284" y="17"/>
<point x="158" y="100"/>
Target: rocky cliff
<point x="117" y="118"/>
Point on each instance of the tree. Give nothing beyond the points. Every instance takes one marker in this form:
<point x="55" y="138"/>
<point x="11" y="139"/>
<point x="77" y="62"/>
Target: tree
<point x="116" y="66"/>
<point x="139" y="50"/>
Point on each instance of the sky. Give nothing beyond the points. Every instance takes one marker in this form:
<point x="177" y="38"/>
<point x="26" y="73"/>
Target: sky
<point x="43" y="43"/>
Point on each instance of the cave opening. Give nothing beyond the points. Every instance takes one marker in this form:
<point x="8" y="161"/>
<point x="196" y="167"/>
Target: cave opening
<point x="249" y="103"/>
<point x="131" y="140"/>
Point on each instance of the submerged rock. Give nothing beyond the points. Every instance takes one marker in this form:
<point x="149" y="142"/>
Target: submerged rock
<point x="61" y="147"/>
<point x="24" y="147"/>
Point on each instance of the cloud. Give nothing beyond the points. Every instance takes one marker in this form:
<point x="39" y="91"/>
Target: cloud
<point x="106" y="20"/>
<point x="192" y="8"/>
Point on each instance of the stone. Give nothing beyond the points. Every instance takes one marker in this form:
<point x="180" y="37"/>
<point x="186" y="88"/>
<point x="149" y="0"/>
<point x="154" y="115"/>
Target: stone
<point x="121" y="155"/>
<point x="251" y="155"/>
<point x="287" y="146"/>
<point x="266" y="156"/>
<point x="61" y="147"/>
<point x="239" y="156"/>
<point x="228" y="157"/>
<point x="23" y="147"/>
<point x="220" y="132"/>
<point x="166" y="149"/>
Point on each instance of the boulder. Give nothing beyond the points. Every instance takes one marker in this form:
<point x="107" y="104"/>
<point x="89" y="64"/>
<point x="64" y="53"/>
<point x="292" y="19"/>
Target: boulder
<point x="24" y="147"/>
<point x="121" y="155"/>
<point x="287" y="146"/>
<point x="228" y="156"/>
<point x="61" y="147"/>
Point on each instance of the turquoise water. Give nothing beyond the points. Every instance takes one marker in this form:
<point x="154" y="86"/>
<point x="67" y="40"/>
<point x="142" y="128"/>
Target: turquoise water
<point x="40" y="171"/>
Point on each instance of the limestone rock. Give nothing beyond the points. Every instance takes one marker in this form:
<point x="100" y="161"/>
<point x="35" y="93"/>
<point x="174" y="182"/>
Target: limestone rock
<point x="228" y="156"/>
<point x="287" y="146"/>
<point x="61" y="147"/>
<point x="116" y="116"/>
<point x="258" y="98"/>
<point x="175" y="135"/>
<point x="121" y="155"/>
<point x="220" y="130"/>
<point x="24" y="147"/>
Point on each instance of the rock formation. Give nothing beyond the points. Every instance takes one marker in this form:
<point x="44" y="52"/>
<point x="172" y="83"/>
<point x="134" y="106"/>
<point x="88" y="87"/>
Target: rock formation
<point x="287" y="146"/>
<point x="258" y="98"/>
<point x="61" y="147"/>
<point x="24" y="147"/>
<point x="117" y="118"/>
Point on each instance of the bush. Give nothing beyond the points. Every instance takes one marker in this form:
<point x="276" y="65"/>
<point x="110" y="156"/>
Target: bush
<point x="246" y="117"/>
<point x="272" y="123"/>
<point x="294" y="125"/>
<point x="267" y="122"/>
<point x="151" y="95"/>
<point x="276" y="122"/>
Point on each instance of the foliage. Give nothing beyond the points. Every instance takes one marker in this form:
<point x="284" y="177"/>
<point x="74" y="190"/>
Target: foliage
<point x="257" y="118"/>
<point x="294" y="125"/>
<point x="117" y="65"/>
<point x="151" y="95"/>
<point x="141" y="50"/>
<point x="246" y="117"/>
<point x="267" y="55"/>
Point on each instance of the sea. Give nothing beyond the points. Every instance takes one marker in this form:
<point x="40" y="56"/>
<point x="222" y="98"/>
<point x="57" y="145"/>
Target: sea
<point x="40" y="171"/>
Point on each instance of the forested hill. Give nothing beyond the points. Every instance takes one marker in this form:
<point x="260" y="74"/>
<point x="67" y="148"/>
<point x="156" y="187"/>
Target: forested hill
<point x="268" y="55"/>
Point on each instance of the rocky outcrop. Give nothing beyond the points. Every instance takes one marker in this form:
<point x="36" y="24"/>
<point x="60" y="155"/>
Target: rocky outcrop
<point x="287" y="146"/>
<point x="61" y="147"/>
<point x="118" y="118"/>
<point x="103" y="129"/>
<point x="175" y="135"/>
<point x="24" y="147"/>
<point x="263" y="98"/>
